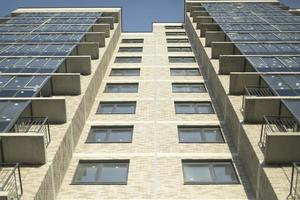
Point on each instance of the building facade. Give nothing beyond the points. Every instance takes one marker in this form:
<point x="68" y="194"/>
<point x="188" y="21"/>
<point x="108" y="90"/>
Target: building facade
<point x="248" y="50"/>
<point x="205" y="109"/>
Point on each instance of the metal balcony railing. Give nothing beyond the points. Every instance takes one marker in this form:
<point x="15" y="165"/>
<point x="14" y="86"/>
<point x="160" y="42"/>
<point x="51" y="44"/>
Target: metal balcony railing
<point x="277" y="124"/>
<point x="295" y="182"/>
<point x="33" y="125"/>
<point x="10" y="180"/>
<point x="256" y="91"/>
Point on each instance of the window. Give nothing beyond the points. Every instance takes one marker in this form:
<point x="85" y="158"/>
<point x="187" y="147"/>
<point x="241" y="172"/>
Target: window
<point x="175" y="33"/>
<point x="116" y="108"/>
<point x="132" y="40"/>
<point x="173" y="27"/>
<point x="131" y="49"/>
<point x="199" y="134"/>
<point x="121" y="88"/>
<point x="185" y="72"/>
<point x="182" y="59"/>
<point x="101" y="172"/>
<point x="125" y="72"/>
<point x="181" y="40"/>
<point x="188" y="88"/>
<point x="193" y="108"/>
<point x="128" y="60"/>
<point x="208" y="172"/>
<point x="116" y="134"/>
<point x="179" y="49"/>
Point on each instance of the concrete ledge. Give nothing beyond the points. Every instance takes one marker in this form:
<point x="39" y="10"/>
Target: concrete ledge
<point x="88" y="48"/>
<point x="282" y="147"/>
<point x="102" y="28"/>
<point x="53" y="108"/>
<point x="66" y="84"/>
<point x="257" y="107"/>
<point x="229" y="64"/>
<point x="72" y="64"/>
<point x="78" y="64"/>
<point x="115" y="15"/>
<point x="193" y="8"/>
<point x="107" y="20"/>
<point x="204" y="27"/>
<point x="98" y="37"/>
<point x="24" y="148"/>
<point x="239" y="63"/>
<point x="200" y="13"/>
<point x="214" y="36"/>
<point x="222" y="48"/>
<point x="59" y="84"/>
<point x="196" y="14"/>
<point x="203" y="19"/>
<point x="189" y="5"/>
<point x="240" y="80"/>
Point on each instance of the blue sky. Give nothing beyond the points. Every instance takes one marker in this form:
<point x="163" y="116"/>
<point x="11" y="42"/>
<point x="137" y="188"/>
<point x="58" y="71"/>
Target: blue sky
<point x="138" y="15"/>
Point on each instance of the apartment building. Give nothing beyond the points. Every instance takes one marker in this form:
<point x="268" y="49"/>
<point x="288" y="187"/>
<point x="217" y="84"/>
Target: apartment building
<point x="205" y="109"/>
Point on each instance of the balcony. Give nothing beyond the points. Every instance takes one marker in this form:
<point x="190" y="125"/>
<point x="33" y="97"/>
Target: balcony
<point x="10" y="182"/>
<point x="33" y="125"/>
<point x="280" y="139"/>
<point x="295" y="182"/>
<point x="27" y="141"/>
<point x="256" y="92"/>
<point x="273" y="124"/>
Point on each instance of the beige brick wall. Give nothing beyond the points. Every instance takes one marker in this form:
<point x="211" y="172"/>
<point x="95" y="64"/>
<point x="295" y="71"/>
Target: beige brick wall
<point x="155" y="170"/>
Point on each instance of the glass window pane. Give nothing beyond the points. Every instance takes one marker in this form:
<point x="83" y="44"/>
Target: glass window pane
<point x="212" y="135"/>
<point x="186" y="87"/>
<point x="132" y="41"/>
<point x="97" y="135"/>
<point x="114" y="173"/>
<point x="86" y="173"/>
<point x="200" y="134"/>
<point x="177" y="40"/>
<point x="189" y="135"/>
<point x="224" y="173"/>
<point x="101" y="172"/>
<point x="204" y="108"/>
<point x="121" y="88"/>
<point x="117" y="108"/>
<point x="204" y="172"/>
<point x="125" y="108"/>
<point x="184" y="108"/>
<point x="185" y="72"/>
<point x="120" y="135"/>
<point x="106" y="108"/>
<point x="130" y="49"/>
<point x="125" y="72"/>
<point x="128" y="59"/>
<point x="173" y="27"/>
<point x="197" y="173"/>
<point x="110" y="134"/>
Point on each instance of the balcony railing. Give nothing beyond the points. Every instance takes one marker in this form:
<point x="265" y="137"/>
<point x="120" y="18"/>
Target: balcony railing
<point x="10" y="180"/>
<point x="33" y="125"/>
<point x="295" y="182"/>
<point x="256" y="91"/>
<point x="277" y="124"/>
